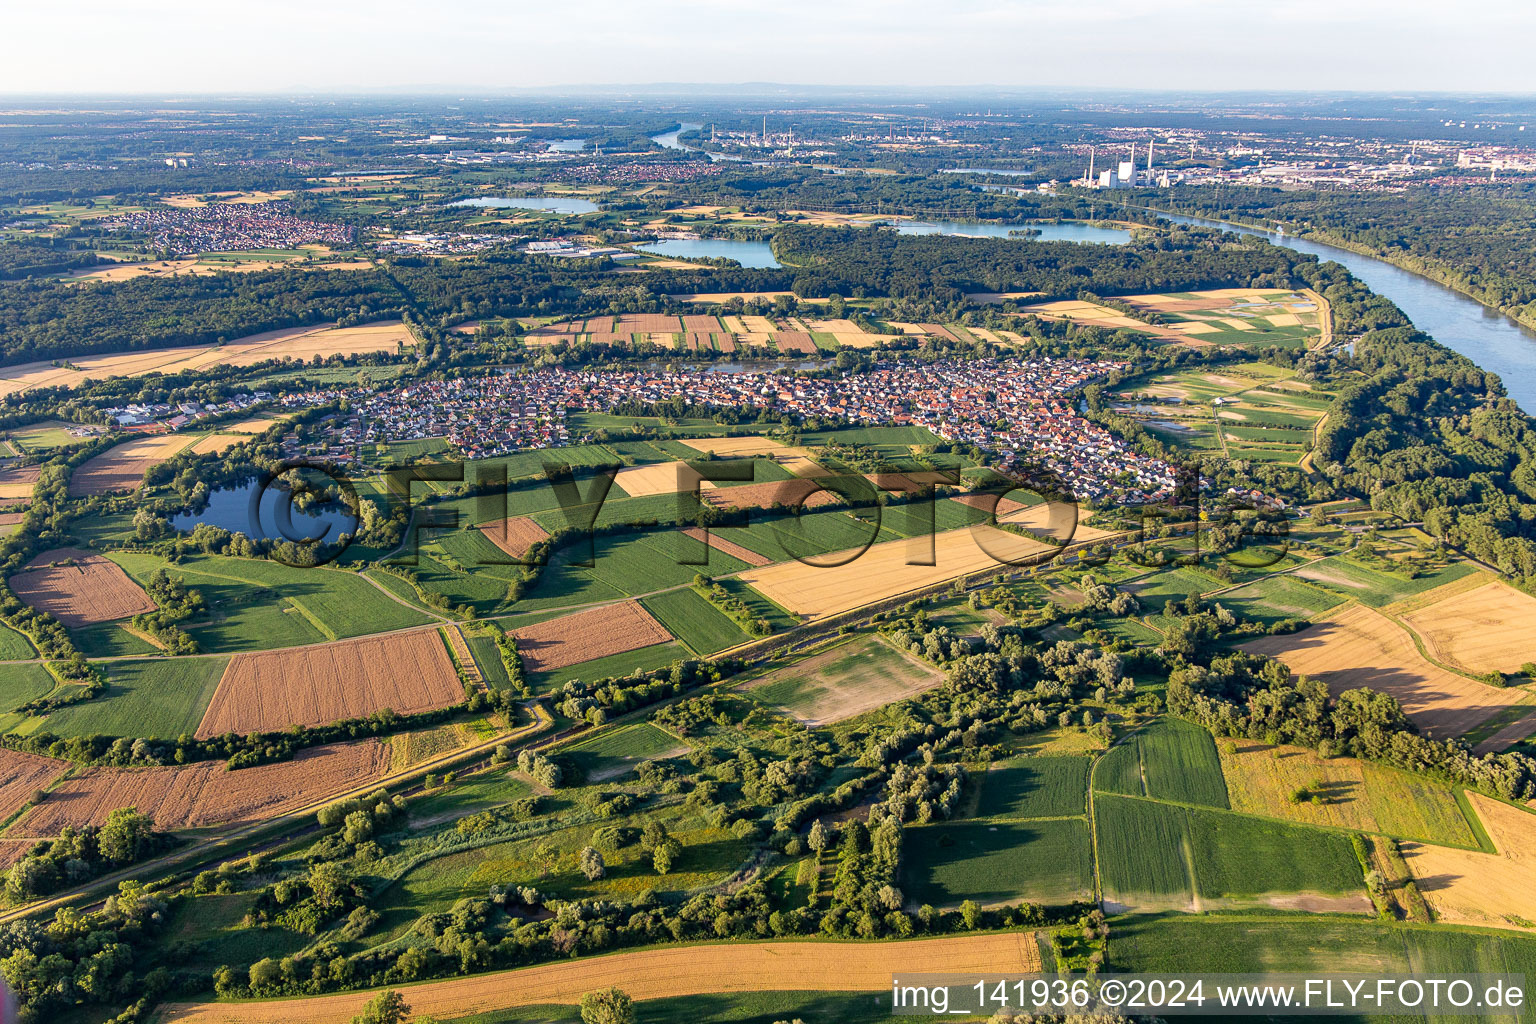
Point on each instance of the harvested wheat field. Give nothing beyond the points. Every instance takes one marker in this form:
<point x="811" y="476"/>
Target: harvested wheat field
<point x="218" y="443"/>
<point x="206" y="793"/>
<point x="795" y="343"/>
<point x="13" y="850"/>
<point x="121" y="468"/>
<point x="1491" y="628"/>
<point x="78" y="588"/>
<point x="514" y="536"/>
<point x="20" y="774"/>
<point x="656" y="478"/>
<point x="595" y="633"/>
<point x="1496" y="890"/>
<point x="883" y="571"/>
<point x="790" y="493"/>
<point x="1356" y="647"/>
<point x="663" y="973"/>
<point x="272" y="690"/>
<point x="17" y="484"/>
<point x="797" y="460"/>
<point x="996" y="504"/>
<point x="291" y="342"/>
<point x="725" y="547"/>
<point x="1055" y="519"/>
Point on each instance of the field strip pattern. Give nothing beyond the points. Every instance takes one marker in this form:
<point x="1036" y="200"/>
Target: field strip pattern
<point x="663" y="973"/>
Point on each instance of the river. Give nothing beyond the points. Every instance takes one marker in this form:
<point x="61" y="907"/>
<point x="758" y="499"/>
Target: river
<point x="1487" y="337"/>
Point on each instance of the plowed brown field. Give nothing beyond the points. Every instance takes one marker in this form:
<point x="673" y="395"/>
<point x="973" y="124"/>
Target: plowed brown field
<point x="272" y="690"/>
<point x="88" y="589"/>
<point x="206" y="793"/>
<point x="20" y="774"/>
<point x="725" y="547"/>
<point x="597" y="633"/>
<point x="17" y="484"/>
<point x="663" y="973"/>
<point x="514" y="536"/>
<point x="778" y="492"/>
<point x="1356" y="647"/>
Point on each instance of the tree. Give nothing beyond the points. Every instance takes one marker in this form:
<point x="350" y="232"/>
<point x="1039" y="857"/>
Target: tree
<point x="388" y="1007"/>
<point x="125" y="836"/>
<point x="591" y="863"/>
<point x="817" y="838"/>
<point x="970" y="913"/>
<point x="610" y="1007"/>
<point x="664" y="854"/>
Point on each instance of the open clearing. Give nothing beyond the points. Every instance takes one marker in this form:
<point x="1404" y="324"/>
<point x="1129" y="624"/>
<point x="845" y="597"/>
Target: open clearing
<point x="1358" y="647"/>
<point x="659" y="974"/>
<point x="20" y="774"/>
<point x="289" y="343"/>
<point x="588" y="635"/>
<point x="1497" y="890"/>
<point x="1491" y="628"/>
<point x="845" y="681"/>
<point x="514" y="536"/>
<point x="78" y="588"/>
<point x="848" y="579"/>
<point x="206" y="793"/>
<point x="272" y="690"/>
<point x="121" y="468"/>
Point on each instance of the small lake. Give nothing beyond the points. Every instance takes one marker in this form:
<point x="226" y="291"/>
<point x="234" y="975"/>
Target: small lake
<point x="554" y="204"/>
<point x="1068" y="232"/>
<point x="266" y="515"/>
<point x="567" y="145"/>
<point x="756" y="255"/>
<point x="1487" y="337"/>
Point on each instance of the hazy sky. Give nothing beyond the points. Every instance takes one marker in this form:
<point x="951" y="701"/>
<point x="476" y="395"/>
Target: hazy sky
<point x="182" y="47"/>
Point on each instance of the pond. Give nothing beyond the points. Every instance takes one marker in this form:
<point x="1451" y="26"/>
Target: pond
<point x="757" y="255"/>
<point x="1070" y="231"/>
<point x="555" y="204"/>
<point x="567" y="145"/>
<point x="266" y="514"/>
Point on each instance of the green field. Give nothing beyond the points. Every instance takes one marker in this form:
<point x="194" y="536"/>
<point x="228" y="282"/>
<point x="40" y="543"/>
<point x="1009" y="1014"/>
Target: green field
<point x="22" y="683"/>
<point x="612" y="754"/>
<point x="14" y="646"/>
<point x="1349" y="578"/>
<point x="1047" y="861"/>
<point x="487" y="657"/>
<point x="110" y="640"/>
<point x="1157" y="851"/>
<point x="1035" y="787"/>
<point x="156" y="699"/>
<point x="255" y="604"/>
<point x="1167" y="760"/>
<point x="694" y="621"/>
<point x="643" y="660"/>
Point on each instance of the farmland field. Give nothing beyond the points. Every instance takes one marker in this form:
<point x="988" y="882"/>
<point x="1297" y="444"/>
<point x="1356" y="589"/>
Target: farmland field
<point x="844" y="681"/>
<point x="1279" y="597"/>
<point x="666" y="972"/>
<point x="270" y="691"/>
<point x="206" y="793"/>
<point x="694" y="621"/>
<point x="1035" y="787"/>
<point x="22" y="683"/>
<point x="643" y="659"/>
<point x="20" y="774"/>
<point x="1154" y="855"/>
<point x="78" y="588"/>
<point x="1482" y="630"/>
<point x="1349" y="578"/>
<point x="1471" y="887"/>
<point x="585" y="636"/>
<point x="1168" y="760"/>
<point x="1350" y="794"/>
<point x="1045" y="861"/>
<point x="160" y="698"/>
<point x="884" y="571"/>
<point x="1357" y="646"/>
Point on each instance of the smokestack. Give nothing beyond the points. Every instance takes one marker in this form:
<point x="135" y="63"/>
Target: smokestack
<point x="1090" y="165"/>
<point x="1150" y="143"/>
<point x="1133" y="164"/>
